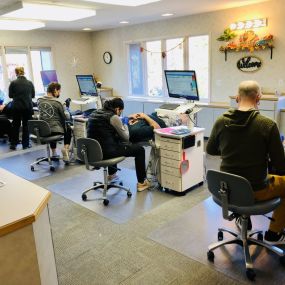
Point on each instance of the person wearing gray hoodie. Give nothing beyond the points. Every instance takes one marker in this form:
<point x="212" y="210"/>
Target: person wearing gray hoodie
<point x="247" y="141"/>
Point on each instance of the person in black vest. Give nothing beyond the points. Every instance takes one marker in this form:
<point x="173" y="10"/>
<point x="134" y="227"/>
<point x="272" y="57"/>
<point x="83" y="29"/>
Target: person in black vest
<point x="106" y="127"/>
<point x="21" y="91"/>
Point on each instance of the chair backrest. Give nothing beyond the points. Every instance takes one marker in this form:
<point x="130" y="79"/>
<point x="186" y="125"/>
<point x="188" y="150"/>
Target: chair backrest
<point x="39" y="128"/>
<point x="89" y="150"/>
<point x="239" y="190"/>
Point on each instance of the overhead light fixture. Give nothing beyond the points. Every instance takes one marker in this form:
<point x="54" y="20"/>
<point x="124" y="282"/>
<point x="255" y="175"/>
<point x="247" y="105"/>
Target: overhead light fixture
<point x="249" y="24"/>
<point x="87" y="29"/>
<point x="18" y="25"/>
<point x="167" y="15"/>
<point x="46" y="12"/>
<point x="124" y="2"/>
<point x="124" y="22"/>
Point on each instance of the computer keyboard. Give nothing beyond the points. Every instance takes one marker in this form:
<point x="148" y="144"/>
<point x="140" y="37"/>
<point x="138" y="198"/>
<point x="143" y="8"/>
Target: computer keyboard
<point x="169" y="106"/>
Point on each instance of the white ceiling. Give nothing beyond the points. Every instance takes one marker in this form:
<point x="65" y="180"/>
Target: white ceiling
<point x="109" y="16"/>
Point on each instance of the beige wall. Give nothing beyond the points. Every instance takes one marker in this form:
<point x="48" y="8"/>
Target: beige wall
<point x="65" y="47"/>
<point x="224" y="76"/>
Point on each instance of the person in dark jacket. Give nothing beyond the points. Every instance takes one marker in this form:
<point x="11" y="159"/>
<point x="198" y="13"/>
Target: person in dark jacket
<point x="52" y="111"/>
<point x="106" y="127"/>
<point x="21" y="91"/>
<point x="246" y="140"/>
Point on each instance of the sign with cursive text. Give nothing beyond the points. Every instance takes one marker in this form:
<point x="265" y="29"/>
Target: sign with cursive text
<point x="249" y="63"/>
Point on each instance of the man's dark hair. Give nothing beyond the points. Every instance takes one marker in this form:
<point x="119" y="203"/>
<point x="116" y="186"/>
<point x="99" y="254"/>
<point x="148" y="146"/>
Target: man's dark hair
<point x="53" y="86"/>
<point x="113" y="104"/>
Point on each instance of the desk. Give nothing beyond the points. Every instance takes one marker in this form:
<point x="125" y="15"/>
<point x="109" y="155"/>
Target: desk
<point x="26" y="250"/>
<point x="171" y="148"/>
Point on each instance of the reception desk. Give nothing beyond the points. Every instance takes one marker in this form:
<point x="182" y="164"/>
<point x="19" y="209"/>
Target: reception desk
<point x="26" y="249"/>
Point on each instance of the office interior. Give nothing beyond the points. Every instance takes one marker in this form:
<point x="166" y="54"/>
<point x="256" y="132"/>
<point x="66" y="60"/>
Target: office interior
<point x="155" y="237"/>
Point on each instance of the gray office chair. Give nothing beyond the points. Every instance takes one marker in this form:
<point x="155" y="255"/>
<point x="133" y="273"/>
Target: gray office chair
<point x="41" y="131"/>
<point x="89" y="151"/>
<point x="234" y="193"/>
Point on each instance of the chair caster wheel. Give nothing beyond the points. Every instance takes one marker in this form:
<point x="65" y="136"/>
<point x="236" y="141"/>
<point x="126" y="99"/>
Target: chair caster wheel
<point x="220" y="236"/>
<point x="66" y="163"/>
<point x="95" y="183"/>
<point x="250" y="274"/>
<point x="129" y="193"/>
<point x="121" y="183"/>
<point x="32" y="168"/>
<point x="105" y="202"/>
<point x="84" y="197"/>
<point x="210" y="255"/>
<point x="260" y="236"/>
<point x="52" y="168"/>
<point x="282" y="260"/>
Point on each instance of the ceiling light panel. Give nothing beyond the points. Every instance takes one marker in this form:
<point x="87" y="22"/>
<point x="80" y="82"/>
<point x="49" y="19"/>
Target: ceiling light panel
<point x="50" y="12"/>
<point x="14" y="25"/>
<point x="124" y="2"/>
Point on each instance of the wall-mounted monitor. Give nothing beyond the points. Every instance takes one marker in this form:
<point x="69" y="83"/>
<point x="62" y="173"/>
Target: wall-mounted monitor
<point x="48" y="76"/>
<point x="87" y="85"/>
<point x="182" y="84"/>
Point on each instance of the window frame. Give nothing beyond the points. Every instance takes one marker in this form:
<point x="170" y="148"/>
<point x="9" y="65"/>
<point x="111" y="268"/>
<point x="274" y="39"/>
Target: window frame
<point x="163" y="40"/>
<point x="29" y="63"/>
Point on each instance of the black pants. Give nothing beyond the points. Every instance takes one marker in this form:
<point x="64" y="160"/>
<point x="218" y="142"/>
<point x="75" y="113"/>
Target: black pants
<point x="20" y="117"/>
<point x="66" y="138"/>
<point x="133" y="150"/>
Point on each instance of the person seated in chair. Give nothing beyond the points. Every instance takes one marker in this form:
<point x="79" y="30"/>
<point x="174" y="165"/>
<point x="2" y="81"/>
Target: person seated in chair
<point x="105" y="126"/>
<point x="5" y="124"/>
<point x="141" y="126"/>
<point x="52" y="111"/>
<point x="246" y="140"/>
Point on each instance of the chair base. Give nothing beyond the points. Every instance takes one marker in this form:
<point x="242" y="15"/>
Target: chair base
<point x="244" y="239"/>
<point x="105" y="187"/>
<point x="48" y="159"/>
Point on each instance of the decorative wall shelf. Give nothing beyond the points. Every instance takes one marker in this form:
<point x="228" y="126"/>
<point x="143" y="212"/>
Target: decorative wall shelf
<point x="248" y="41"/>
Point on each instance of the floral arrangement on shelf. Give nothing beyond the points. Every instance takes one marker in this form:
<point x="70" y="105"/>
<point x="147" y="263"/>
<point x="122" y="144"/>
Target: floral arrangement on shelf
<point x="248" y="41"/>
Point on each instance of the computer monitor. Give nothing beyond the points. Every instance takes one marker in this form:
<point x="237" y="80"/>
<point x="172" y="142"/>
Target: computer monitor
<point x="182" y="84"/>
<point x="48" y="76"/>
<point x="87" y="85"/>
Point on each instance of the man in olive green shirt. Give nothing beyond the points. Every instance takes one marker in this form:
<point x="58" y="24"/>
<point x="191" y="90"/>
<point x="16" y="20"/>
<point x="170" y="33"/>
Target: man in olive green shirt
<point x="246" y="141"/>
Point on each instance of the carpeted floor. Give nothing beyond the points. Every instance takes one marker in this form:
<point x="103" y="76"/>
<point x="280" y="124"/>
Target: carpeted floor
<point x="92" y="249"/>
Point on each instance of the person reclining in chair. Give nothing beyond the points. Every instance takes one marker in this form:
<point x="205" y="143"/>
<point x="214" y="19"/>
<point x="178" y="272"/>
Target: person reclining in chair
<point x="52" y="111"/>
<point x="246" y="140"/>
<point x="105" y="126"/>
<point x="141" y="126"/>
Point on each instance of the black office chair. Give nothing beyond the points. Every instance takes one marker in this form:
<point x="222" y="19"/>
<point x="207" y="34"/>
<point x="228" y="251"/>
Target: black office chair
<point x="41" y="131"/>
<point x="89" y="151"/>
<point x="234" y="193"/>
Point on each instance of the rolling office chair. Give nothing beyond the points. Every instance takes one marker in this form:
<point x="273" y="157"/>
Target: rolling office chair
<point x="89" y="151"/>
<point x="41" y="130"/>
<point x="234" y="193"/>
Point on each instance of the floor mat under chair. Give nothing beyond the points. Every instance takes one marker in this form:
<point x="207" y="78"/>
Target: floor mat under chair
<point x="121" y="209"/>
<point x="20" y="165"/>
<point x="191" y="234"/>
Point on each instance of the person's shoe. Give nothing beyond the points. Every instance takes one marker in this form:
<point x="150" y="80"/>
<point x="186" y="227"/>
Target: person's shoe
<point x="143" y="186"/>
<point x="113" y="178"/>
<point x="65" y="154"/>
<point x="26" y="147"/>
<point x="274" y="238"/>
<point x="13" y="147"/>
<point x="55" y="157"/>
<point x="238" y="223"/>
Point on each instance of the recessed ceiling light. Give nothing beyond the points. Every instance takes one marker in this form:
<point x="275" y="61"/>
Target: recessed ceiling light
<point x="87" y="29"/>
<point x="167" y="15"/>
<point x="124" y="2"/>
<point x="50" y="12"/>
<point x="15" y="25"/>
<point x="124" y="22"/>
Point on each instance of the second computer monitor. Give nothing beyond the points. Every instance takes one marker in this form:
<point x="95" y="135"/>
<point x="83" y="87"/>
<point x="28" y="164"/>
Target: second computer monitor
<point x="87" y="85"/>
<point x="182" y="84"/>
